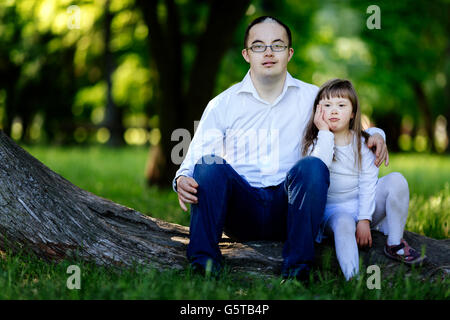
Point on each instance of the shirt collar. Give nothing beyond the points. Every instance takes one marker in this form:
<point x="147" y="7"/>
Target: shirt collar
<point x="247" y="85"/>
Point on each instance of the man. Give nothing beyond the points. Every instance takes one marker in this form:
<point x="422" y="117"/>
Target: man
<point x="243" y="173"/>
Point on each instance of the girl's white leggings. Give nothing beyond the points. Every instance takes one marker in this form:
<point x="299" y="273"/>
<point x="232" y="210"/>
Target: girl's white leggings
<point x="391" y="212"/>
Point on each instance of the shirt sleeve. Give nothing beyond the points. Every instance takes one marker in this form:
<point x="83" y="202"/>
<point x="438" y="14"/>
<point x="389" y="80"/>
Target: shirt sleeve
<point x="324" y="147"/>
<point x="208" y="139"/>
<point x="374" y="130"/>
<point x="368" y="179"/>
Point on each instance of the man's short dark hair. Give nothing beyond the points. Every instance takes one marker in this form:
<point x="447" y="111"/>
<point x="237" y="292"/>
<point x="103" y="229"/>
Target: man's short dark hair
<point x="263" y="19"/>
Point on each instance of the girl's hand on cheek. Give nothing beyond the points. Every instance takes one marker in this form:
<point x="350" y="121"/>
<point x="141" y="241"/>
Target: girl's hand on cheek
<point x="331" y="125"/>
<point x="319" y="119"/>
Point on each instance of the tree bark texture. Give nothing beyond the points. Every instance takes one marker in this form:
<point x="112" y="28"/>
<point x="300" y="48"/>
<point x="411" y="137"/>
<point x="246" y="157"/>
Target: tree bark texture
<point x="42" y="212"/>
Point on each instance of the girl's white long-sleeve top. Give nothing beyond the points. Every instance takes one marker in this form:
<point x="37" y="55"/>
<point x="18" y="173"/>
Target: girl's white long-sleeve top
<point x="350" y="189"/>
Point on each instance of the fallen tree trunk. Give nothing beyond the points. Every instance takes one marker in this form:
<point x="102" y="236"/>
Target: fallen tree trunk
<point x="43" y="212"/>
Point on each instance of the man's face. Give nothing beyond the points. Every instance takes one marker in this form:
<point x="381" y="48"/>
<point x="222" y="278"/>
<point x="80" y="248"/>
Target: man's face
<point x="267" y="63"/>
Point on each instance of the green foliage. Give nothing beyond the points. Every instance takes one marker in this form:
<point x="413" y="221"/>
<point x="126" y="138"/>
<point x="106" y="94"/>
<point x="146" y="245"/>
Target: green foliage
<point x="53" y="76"/>
<point x="53" y="65"/>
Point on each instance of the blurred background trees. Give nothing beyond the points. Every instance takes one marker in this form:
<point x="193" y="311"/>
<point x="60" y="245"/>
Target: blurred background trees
<point x="132" y="71"/>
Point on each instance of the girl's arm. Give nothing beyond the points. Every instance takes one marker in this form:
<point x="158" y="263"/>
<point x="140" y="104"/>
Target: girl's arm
<point x="323" y="147"/>
<point x="368" y="178"/>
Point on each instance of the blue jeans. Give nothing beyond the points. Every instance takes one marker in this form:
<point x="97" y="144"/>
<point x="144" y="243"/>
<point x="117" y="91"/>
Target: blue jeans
<point x="291" y="211"/>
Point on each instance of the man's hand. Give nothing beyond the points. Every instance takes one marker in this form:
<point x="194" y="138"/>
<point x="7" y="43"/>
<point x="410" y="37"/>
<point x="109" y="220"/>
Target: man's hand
<point x="363" y="235"/>
<point x="381" y="151"/>
<point x="186" y="188"/>
<point x="319" y="119"/>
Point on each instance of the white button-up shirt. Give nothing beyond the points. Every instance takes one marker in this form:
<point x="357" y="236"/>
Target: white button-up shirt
<point x="260" y="140"/>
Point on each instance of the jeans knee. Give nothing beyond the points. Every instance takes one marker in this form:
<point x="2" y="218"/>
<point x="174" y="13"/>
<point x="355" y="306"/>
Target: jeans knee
<point x="207" y="168"/>
<point x="310" y="169"/>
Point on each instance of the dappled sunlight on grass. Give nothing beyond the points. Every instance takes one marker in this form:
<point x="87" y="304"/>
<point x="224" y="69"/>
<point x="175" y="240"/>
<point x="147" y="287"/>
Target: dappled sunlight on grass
<point x="426" y="174"/>
<point x="428" y="178"/>
<point x="430" y="215"/>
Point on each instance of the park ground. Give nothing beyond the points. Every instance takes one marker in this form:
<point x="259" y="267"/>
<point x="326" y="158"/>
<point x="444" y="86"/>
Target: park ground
<point x="118" y="174"/>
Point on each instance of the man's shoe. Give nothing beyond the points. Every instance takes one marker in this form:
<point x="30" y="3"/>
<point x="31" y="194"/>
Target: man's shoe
<point x="211" y="270"/>
<point x="198" y="269"/>
<point x="300" y="274"/>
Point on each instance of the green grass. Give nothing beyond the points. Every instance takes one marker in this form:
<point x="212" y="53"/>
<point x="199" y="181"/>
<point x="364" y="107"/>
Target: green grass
<point x="25" y="277"/>
<point x="426" y="174"/>
<point x="428" y="178"/>
<point x="119" y="175"/>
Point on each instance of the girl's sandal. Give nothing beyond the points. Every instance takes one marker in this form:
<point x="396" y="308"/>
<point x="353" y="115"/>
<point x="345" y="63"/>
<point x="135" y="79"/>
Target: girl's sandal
<point x="410" y="256"/>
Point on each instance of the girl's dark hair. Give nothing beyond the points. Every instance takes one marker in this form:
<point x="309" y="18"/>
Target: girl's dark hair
<point x="338" y="88"/>
<point x="263" y="19"/>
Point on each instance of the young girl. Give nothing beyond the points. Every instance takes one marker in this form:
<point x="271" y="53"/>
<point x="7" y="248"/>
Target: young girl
<point x="356" y="199"/>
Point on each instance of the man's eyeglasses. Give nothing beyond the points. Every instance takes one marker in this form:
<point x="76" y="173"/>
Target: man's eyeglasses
<point x="262" y="47"/>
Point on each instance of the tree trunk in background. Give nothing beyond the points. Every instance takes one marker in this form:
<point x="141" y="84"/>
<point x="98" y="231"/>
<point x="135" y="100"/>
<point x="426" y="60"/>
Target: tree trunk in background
<point x="166" y="51"/>
<point x="446" y="71"/>
<point x="113" y="115"/>
<point x="425" y="110"/>
<point x="211" y="49"/>
<point x="177" y="108"/>
<point x="390" y="122"/>
<point x="447" y="89"/>
<point x="43" y="213"/>
<point x="9" y="77"/>
<point x="9" y="108"/>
